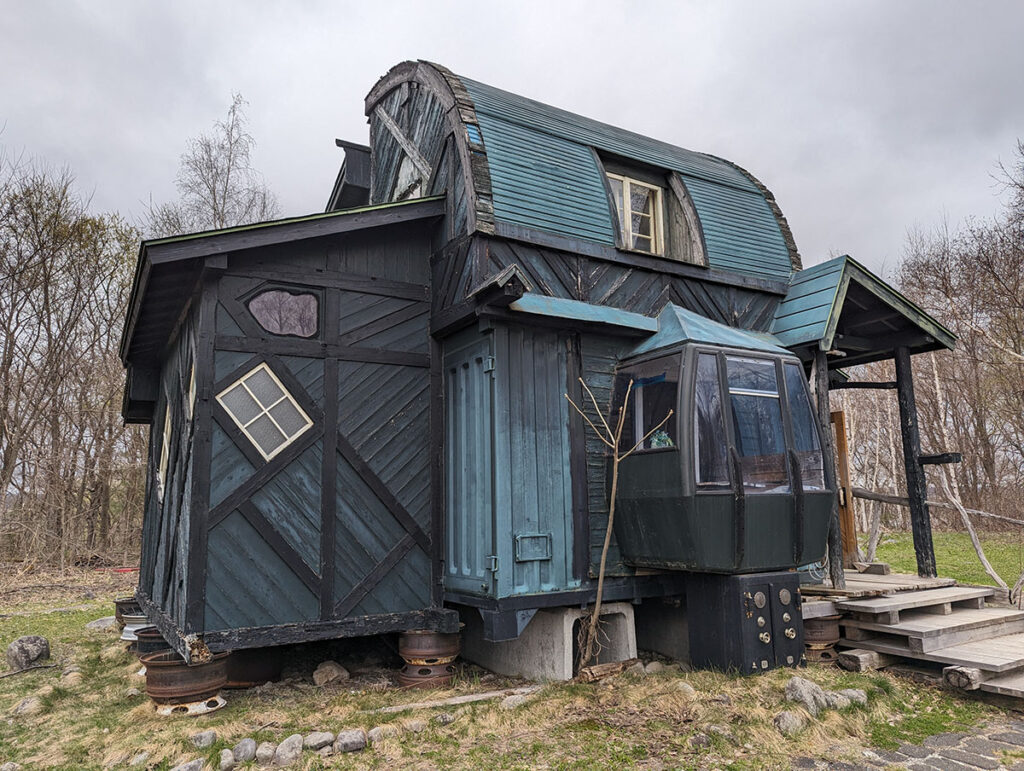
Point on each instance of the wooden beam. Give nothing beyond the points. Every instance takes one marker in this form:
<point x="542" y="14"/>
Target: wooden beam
<point x="881" y="384"/>
<point x="411" y="151"/>
<point x="917" y="484"/>
<point x="847" y="523"/>
<point x="835" y="546"/>
<point x="940" y="459"/>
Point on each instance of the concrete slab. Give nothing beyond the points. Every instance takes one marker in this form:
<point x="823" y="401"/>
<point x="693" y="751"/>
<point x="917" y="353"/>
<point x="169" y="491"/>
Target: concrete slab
<point x="545" y="650"/>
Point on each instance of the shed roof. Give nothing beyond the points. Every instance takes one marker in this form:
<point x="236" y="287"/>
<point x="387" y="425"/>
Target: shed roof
<point x="839" y="305"/>
<point x="545" y="175"/>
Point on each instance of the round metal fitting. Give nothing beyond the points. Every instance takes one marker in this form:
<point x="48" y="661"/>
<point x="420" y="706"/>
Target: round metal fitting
<point x="765" y="637"/>
<point x="786" y="617"/>
<point x="760" y="599"/>
<point x="785" y="596"/>
<point x="760" y="621"/>
<point x="790" y="633"/>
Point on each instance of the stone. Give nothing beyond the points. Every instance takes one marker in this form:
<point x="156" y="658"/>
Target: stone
<point x="789" y="723"/>
<point x="944" y="740"/>
<point x="377" y="733"/>
<point x="913" y="751"/>
<point x="352" y="740"/>
<point x="227" y="760"/>
<point x="700" y="741"/>
<point x="191" y="765"/>
<point x="807" y="693"/>
<point x="1009" y="737"/>
<point x="636" y="669"/>
<point x="445" y="718"/>
<point x="317" y="739"/>
<point x="415" y="726"/>
<point x="328" y="672"/>
<point x="139" y="760"/>
<point x="107" y="622"/>
<point x="265" y="753"/>
<point x="970" y="758"/>
<point x="722" y="731"/>
<point x="855" y="695"/>
<point x="118" y="760"/>
<point x="10" y="766"/>
<point x="131" y="693"/>
<point x="722" y="698"/>
<point x="686" y="689"/>
<point x="203" y="739"/>
<point x="325" y="752"/>
<point x="30" y="705"/>
<point x="27" y="651"/>
<point x="245" y="751"/>
<point x="72" y="678"/>
<point x="288" y="751"/>
<point x="835" y="700"/>
<point x="654" y="668"/>
<point x="511" y="702"/>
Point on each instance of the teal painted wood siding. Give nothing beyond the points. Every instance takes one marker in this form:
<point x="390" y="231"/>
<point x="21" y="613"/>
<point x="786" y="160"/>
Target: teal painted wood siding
<point x="804" y="314"/>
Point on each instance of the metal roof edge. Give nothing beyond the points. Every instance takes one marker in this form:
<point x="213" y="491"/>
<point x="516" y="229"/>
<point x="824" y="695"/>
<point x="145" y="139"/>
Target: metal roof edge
<point x="576" y="310"/>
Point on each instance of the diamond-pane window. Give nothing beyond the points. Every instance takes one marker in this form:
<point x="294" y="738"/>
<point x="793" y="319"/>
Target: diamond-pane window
<point x="264" y="411"/>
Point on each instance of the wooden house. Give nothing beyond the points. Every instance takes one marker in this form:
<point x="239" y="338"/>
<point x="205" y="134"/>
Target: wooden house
<point x="357" y="418"/>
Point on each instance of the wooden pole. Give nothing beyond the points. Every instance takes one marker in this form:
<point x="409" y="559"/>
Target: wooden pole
<point x="917" y="484"/>
<point x="847" y="521"/>
<point x="835" y="546"/>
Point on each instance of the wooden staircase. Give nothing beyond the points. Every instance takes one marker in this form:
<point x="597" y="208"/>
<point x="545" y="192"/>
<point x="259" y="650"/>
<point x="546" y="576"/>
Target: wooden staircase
<point x="982" y="647"/>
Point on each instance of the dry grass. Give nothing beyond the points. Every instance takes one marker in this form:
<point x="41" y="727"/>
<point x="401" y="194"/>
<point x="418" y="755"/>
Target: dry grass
<point x="628" y="721"/>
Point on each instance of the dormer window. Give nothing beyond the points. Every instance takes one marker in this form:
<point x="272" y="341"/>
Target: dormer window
<point x="641" y="216"/>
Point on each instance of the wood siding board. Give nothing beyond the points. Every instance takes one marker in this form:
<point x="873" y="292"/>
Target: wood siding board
<point x="285" y="347"/>
<point x="402" y="588"/>
<point x="240" y="441"/>
<point x="281" y="546"/>
<point x="351" y="282"/>
<point x="381" y="569"/>
<point x="229" y="466"/>
<point x="288" y="502"/>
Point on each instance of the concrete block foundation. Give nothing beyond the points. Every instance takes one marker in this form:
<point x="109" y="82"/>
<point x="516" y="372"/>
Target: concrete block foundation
<point x="547" y="648"/>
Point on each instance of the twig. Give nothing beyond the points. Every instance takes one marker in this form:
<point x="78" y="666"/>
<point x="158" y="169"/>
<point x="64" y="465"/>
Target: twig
<point x="27" y="669"/>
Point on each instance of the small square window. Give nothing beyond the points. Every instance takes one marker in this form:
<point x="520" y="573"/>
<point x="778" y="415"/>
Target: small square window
<point x="264" y="411"/>
<point x="638" y="207"/>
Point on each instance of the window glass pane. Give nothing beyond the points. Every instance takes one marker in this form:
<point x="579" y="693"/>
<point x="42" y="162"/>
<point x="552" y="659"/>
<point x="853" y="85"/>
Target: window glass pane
<point x="640" y="198"/>
<point x="240" y="404"/>
<point x="708" y="428"/>
<point x="288" y="418"/>
<point x="757" y="422"/>
<point x="805" y="437"/>
<point x="263" y="387"/>
<point x="752" y="375"/>
<point x="286" y="313"/>
<point x="655" y="392"/>
<point x="642" y="243"/>
<point x="265" y="434"/>
<point x="642" y="224"/>
<point x="617" y="194"/>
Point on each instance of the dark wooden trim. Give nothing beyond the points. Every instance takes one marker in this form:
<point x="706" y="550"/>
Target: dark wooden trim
<point x="286" y="231"/>
<point x="663" y="265"/>
<point x="384" y="495"/>
<point x="237" y="373"/>
<point x="202" y="442"/>
<point x="296" y="389"/>
<point x="315" y="350"/>
<point x="835" y="543"/>
<point x="917" y="483"/>
<point x="940" y="458"/>
<point x="437" y="470"/>
<point x="156" y="615"/>
<point x="234" y="433"/>
<point x="348" y="282"/>
<point x="453" y="318"/>
<point x="881" y="385"/>
<point x="348" y="603"/>
<point x="272" y="467"/>
<point x="281" y="547"/>
<point x="237" y="311"/>
<point x="578" y="461"/>
<point x="329" y="487"/>
<point x="437" y="619"/>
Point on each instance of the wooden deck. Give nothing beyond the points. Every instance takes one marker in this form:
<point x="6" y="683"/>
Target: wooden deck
<point x="871" y="585"/>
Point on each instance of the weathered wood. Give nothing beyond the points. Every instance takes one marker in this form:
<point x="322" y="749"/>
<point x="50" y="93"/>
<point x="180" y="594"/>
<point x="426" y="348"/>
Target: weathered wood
<point x="940" y="459"/>
<point x="896" y="500"/>
<point x="348" y="603"/>
<point x="468" y="698"/>
<point x="875" y="568"/>
<point x="917" y="484"/>
<point x="313" y="349"/>
<point x="964" y="678"/>
<point x="847" y="522"/>
<point x="997" y="654"/>
<point x="927" y="632"/>
<point x="858" y="660"/>
<point x="881" y="384"/>
<point x="912" y="600"/>
<point x="600" y="671"/>
<point x="835" y="546"/>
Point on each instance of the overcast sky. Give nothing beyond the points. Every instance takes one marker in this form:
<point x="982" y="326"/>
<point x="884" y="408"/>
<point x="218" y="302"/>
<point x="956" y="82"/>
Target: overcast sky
<point x="866" y="119"/>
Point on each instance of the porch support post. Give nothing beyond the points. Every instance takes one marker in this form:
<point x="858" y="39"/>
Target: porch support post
<point x="917" y="484"/>
<point x="835" y="545"/>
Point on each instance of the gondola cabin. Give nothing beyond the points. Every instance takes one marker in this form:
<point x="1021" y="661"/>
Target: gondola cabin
<point x="358" y="418"/>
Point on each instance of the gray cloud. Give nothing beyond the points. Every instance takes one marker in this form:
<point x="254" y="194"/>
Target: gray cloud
<point x="865" y="119"/>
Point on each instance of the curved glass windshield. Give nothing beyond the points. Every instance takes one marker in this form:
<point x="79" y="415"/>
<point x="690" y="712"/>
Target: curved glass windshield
<point x="757" y="424"/>
<point x="805" y="435"/>
<point x="654" y="394"/>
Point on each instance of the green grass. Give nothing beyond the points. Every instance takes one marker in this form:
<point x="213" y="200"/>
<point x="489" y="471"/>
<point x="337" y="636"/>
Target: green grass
<point x="955" y="556"/>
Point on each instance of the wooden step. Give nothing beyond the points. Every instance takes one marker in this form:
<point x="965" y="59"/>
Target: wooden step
<point x="886" y="610"/>
<point x="1011" y="684"/>
<point x="996" y="654"/>
<point x="928" y="631"/>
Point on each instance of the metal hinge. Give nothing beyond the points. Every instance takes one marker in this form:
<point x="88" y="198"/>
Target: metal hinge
<point x="488" y="364"/>
<point x="493" y="560"/>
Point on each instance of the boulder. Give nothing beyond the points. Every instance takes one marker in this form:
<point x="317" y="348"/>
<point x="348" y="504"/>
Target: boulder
<point x="855" y="695"/>
<point x="10" y="766"/>
<point x="379" y="732"/>
<point x="27" y="651"/>
<point x="265" y="753"/>
<point x="686" y="689"/>
<point x="415" y="726"/>
<point x="807" y="693"/>
<point x="203" y="739"/>
<point x="789" y="723"/>
<point x="328" y="672"/>
<point x="191" y="765"/>
<point x="227" y="760"/>
<point x="351" y="740"/>
<point x="317" y="739"/>
<point x="30" y="705"/>
<point x="836" y="700"/>
<point x="654" y="668"/>
<point x="445" y="718"/>
<point x="288" y="751"/>
<point x="245" y="751"/>
<point x="511" y="702"/>
<point x="139" y="760"/>
<point x="107" y="622"/>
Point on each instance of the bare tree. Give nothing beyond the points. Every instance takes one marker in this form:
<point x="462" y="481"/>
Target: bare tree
<point x="217" y="184"/>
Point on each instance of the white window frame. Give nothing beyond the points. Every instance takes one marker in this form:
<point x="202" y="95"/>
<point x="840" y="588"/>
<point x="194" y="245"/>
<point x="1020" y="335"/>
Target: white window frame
<point x="265" y="410"/>
<point x="626" y="220"/>
<point x="165" y="453"/>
